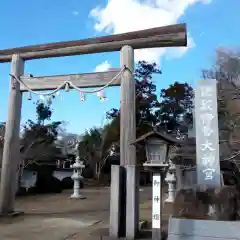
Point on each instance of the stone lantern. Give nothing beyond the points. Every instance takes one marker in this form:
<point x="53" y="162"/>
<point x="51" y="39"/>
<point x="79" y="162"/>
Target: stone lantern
<point x="171" y="181"/>
<point x="77" y="167"/>
<point x="157" y="146"/>
<point x="77" y="177"/>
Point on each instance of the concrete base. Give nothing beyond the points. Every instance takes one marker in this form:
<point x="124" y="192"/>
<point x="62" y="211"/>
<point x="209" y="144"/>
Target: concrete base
<point x="142" y="225"/>
<point x="117" y="225"/>
<point x="77" y="197"/>
<point x="169" y="200"/>
<point x="12" y="214"/>
<point x="202" y="229"/>
<point x="132" y="201"/>
<point x="111" y="238"/>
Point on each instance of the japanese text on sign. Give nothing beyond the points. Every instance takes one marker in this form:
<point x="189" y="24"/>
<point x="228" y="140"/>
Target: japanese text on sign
<point x="206" y="121"/>
<point x="207" y="131"/>
<point x="156" y="201"/>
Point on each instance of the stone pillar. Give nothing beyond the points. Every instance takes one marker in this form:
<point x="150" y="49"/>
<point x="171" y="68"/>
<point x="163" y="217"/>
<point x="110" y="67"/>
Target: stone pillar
<point x="132" y="202"/>
<point x="64" y="164"/>
<point x="117" y="202"/>
<point x="179" y="177"/>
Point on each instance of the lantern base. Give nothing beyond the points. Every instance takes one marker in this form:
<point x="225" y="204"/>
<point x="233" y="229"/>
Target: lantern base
<point x="170" y="199"/>
<point x="77" y="196"/>
<point x="157" y="165"/>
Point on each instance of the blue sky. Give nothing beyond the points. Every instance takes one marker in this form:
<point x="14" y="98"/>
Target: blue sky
<point x="210" y="25"/>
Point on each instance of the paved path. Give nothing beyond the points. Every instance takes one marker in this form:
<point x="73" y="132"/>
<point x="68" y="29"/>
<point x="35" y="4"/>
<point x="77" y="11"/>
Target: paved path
<point x="56" y="217"/>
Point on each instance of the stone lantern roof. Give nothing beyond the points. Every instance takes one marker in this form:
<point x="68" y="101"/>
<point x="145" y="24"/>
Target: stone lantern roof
<point x="154" y="134"/>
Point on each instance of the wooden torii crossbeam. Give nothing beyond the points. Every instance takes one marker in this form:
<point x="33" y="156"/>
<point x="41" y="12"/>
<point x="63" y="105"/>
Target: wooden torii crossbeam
<point x="83" y="80"/>
<point x="168" y="36"/>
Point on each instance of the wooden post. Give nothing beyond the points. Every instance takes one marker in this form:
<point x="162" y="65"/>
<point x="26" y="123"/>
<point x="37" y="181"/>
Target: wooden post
<point x="11" y="151"/>
<point x="127" y="108"/>
<point x="128" y="136"/>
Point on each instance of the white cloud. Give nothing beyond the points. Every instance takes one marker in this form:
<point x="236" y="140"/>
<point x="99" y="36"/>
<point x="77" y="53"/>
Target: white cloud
<point x="103" y="67"/>
<point x="178" y="52"/>
<point x="75" y="13"/>
<point x="120" y="16"/>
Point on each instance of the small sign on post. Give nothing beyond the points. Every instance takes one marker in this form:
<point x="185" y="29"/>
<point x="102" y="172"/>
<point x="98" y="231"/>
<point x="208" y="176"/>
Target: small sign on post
<point x="156" y="206"/>
<point x="207" y="139"/>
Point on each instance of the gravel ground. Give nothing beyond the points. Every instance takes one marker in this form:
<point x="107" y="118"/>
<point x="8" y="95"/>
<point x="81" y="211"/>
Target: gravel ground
<point x="57" y="217"/>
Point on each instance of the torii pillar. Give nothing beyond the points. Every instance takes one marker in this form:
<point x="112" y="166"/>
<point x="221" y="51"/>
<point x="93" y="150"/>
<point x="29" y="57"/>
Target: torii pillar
<point x="127" y="137"/>
<point x="11" y="151"/>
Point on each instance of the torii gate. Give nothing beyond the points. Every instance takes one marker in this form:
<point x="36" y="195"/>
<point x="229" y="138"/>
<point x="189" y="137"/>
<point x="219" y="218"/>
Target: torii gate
<point x="168" y="36"/>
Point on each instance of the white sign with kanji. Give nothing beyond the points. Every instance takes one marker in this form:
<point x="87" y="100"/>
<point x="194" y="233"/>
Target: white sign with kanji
<point x="156" y="201"/>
